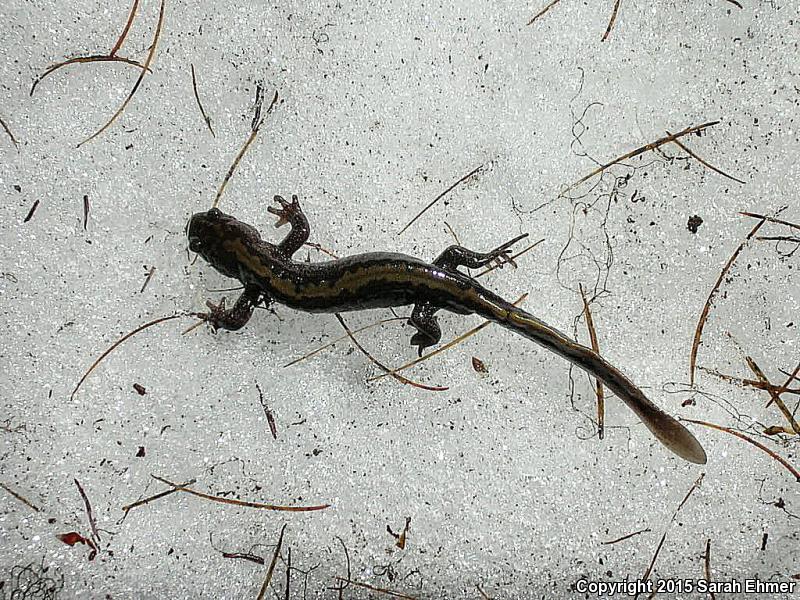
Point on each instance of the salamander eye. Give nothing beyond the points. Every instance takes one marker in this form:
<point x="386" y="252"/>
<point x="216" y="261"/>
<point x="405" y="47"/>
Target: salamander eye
<point x="195" y="245"/>
<point x="214" y="213"/>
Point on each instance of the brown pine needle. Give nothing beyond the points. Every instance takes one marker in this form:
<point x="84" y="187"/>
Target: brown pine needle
<point x="206" y="118"/>
<point x="117" y="343"/>
<point x="440" y="196"/>
<point x="701" y="322"/>
<point x="145" y="69"/>
<point x="341" y="338"/>
<point x="601" y="398"/>
<point x="749" y="440"/>
<point x="774" y="395"/>
<point x="251" y="138"/>
<point x="649" y="570"/>
<point x="384" y="368"/>
<point x="448" y="345"/>
<point x="612" y="20"/>
<point x="372" y="588"/>
<point x="19" y="497"/>
<point x="770" y="219"/>
<point x="646" y="148"/>
<point x="244" y="503"/>
<point x="10" y="135"/>
<point x="88" y="59"/>
<point x="512" y="258"/>
<point x="543" y="11"/>
<point x="707" y="566"/>
<point x="683" y="147"/>
<point x="127" y="508"/>
<point x="126" y="29"/>
<point x="265" y="586"/>
<point x="626" y="537"/>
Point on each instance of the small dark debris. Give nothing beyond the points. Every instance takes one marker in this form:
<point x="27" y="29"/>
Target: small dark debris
<point x="478" y="365"/>
<point x="17" y="188"/>
<point x="694" y="223"/>
<point x="31" y="211"/>
<point x="764" y="541"/>
<point x="140" y="452"/>
<point x="139" y="389"/>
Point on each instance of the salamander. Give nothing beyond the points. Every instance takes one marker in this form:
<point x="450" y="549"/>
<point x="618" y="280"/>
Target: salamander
<point x="386" y="279"/>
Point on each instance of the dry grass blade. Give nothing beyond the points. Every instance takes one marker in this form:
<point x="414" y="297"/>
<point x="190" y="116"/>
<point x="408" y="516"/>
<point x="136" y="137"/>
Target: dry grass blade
<point x="10" y="135"/>
<point x="707" y="566"/>
<point x="117" y="343"/>
<point x="244" y="503"/>
<point x="770" y="219"/>
<point x="378" y="590"/>
<point x="698" y="332"/>
<point x="612" y="20"/>
<point x="265" y="586"/>
<point x="775" y="396"/>
<point x="384" y="368"/>
<point x="749" y="440"/>
<point x="126" y="29"/>
<point x="543" y="11"/>
<point x="19" y="497"/>
<point x="89" y="513"/>
<point x="206" y="118"/>
<point x="342" y="338"/>
<point x="250" y="139"/>
<point x="683" y="147"/>
<point x="649" y="570"/>
<point x="599" y="392"/>
<point x="145" y="69"/>
<point x="646" y="148"/>
<point x="440" y="196"/>
<point x="87" y="59"/>
<point x="440" y="349"/>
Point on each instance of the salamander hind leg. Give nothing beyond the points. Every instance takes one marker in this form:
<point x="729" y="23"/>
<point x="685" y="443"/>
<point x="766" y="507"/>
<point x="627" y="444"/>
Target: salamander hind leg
<point x="427" y="325"/>
<point x="458" y="256"/>
<point x="291" y="213"/>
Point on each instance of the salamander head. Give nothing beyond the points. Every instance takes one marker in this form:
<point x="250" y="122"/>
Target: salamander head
<point x="212" y="234"/>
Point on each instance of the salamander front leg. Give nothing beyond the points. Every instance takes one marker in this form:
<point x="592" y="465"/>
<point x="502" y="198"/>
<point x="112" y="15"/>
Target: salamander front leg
<point x="428" y="331"/>
<point x="291" y="213"/>
<point x="238" y="315"/>
<point x="458" y="256"/>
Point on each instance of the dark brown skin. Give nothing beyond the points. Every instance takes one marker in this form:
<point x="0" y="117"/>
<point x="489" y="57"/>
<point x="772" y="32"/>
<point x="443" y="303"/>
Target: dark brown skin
<point x="385" y="279"/>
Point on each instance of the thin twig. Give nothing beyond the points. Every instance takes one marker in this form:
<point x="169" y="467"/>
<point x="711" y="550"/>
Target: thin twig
<point x="683" y="147"/>
<point x="483" y="594"/>
<point x="751" y="382"/>
<point x="625" y="537"/>
<point x="612" y="20"/>
<point x="749" y="440"/>
<point x="244" y="503"/>
<point x="440" y="349"/>
<point x="118" y="342"/>
<point x="265" y="586"/>
<point x="372" y="588"/>
<point x="10" y="135"/>
<point x="599" y="392"/>
<point x="126" y="29"/>
<point x="253" y="133"/>
<point x="384" y="368"/>
<point x="735" y="3"/>
<point x="698" y="332"/>
<point x="649" y="570"/>
<point x="774" y="395"/>
<point x="652" y="146"/>
<point x="770" y="219"/>
<point x="543" y="11"/>
<point x="440" y="196"/>
<point x="29" y="216"/>
<point x="206" y="118"/>
<point x="145" y="69"/>
<point x="19" y="497"/>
